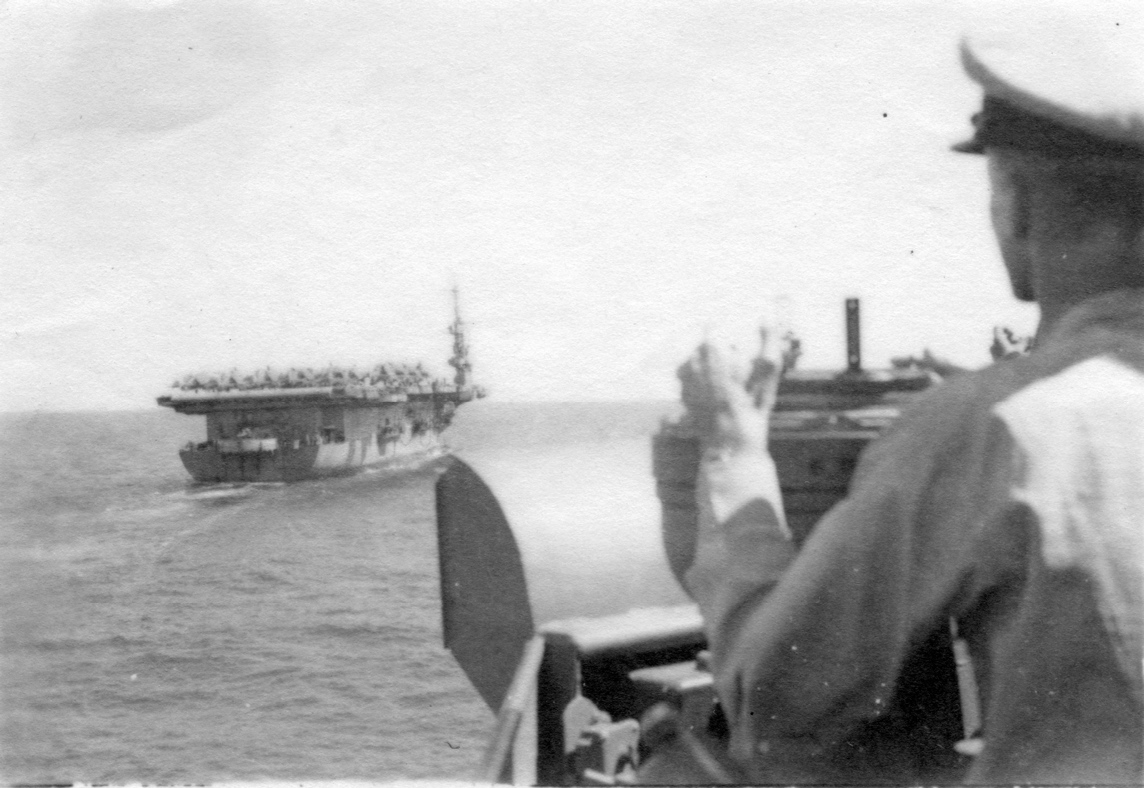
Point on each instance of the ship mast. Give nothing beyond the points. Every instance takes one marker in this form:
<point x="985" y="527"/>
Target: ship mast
<point x="460" y="358"/>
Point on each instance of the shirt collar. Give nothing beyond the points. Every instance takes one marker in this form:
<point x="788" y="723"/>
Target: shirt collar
<point x="1121" y="308"/>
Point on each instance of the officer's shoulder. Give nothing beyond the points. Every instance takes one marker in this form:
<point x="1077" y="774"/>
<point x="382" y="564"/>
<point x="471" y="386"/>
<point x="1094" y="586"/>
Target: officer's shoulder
<point x="945" y="411"/>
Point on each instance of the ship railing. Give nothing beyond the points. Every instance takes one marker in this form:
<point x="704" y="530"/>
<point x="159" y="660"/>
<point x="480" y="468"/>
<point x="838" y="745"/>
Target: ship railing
<point x="518" y="706"/>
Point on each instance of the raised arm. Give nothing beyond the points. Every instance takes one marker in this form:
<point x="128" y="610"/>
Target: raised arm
<point x="743" y="542"/>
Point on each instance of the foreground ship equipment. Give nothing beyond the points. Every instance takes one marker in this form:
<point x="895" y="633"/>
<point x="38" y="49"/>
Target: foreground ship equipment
<point x="560" y="593"/>
<point x="301" y="424"/>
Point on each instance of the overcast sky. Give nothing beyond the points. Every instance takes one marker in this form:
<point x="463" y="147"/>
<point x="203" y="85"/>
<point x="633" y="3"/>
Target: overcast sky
<point x="209" y="184"/>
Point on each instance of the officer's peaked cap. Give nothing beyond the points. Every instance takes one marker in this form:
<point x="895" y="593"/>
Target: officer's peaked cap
<point x="1063" y="88"/>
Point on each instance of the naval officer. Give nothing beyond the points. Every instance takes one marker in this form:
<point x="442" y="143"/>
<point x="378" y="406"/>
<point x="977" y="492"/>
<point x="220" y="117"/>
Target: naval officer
<point x="1009" y="501"/>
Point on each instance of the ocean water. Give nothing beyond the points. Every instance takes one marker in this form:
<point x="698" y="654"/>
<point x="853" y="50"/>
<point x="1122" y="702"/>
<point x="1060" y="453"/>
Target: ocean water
<point x="157" y="631"/>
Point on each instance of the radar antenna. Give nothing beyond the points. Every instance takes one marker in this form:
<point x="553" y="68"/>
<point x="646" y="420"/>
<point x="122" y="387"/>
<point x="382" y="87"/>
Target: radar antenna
<point x="460" y="358"/>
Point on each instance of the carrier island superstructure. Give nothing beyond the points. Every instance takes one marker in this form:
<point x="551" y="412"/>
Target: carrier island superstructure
<point x="299" y="424"/>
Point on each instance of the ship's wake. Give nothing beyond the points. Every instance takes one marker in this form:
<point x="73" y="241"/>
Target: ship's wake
<point x="219" y="493"/>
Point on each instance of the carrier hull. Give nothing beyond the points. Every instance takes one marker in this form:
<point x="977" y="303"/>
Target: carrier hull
<point x="289" y="463"/>
<point x="285" y="436"/>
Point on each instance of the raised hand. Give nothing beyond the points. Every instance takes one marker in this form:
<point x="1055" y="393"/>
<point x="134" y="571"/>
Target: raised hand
<point x="728" y="402"/>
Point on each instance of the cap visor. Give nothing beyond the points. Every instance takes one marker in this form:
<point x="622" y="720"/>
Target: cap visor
<point x="972" y="145"/>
